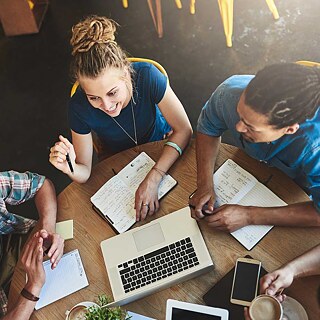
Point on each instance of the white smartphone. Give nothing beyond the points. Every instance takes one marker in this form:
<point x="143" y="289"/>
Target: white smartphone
<point x="245" y="281"/>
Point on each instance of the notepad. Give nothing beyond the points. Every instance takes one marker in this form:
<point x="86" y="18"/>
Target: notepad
<point x="234" y="185"/>
<point x="68" y="277"/>
<point x="115" y="199"/>
<point x="65" y="229"/>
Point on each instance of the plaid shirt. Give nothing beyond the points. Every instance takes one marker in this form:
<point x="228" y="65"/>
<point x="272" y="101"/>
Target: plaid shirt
<point x="15" y="188"/>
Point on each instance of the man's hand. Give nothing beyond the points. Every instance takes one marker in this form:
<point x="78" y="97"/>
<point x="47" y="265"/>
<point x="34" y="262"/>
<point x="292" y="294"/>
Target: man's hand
<point x="32" y="259"/>
<point x="229" y="217"/>
<point x="274" y="282"/>
<point x="203" y="196"/>
<point x="55" y="243"/>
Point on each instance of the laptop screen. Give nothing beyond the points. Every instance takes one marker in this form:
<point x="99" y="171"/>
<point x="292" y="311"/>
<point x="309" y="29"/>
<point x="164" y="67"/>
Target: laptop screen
<point x="181" y="314"/>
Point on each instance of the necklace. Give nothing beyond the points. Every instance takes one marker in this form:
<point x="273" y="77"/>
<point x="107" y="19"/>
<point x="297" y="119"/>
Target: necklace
<point x="135" y="139"/>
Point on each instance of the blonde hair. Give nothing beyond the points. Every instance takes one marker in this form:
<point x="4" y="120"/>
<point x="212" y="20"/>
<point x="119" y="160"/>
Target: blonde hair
<point x="94" y="47"/>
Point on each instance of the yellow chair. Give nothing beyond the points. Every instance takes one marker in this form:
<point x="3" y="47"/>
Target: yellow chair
<point x="308" y="63"/>
<point x="226" y="12"/>
<point x="97" y="144"/>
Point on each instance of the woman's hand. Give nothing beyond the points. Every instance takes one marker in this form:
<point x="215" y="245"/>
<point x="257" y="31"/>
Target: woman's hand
<point x="58" y="153"/>
<point x="146" y="198"/>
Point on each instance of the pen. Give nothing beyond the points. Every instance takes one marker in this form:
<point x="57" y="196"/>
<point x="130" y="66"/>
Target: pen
<point x="114" y="172"/>
<point x="69" y="162"/>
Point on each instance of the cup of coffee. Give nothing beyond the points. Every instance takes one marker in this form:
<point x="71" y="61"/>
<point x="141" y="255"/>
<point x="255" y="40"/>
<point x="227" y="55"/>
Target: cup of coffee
<point x="265" y="307"/>
<point x="78" y="311"/>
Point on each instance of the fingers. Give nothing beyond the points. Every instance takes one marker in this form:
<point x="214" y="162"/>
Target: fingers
<point x="246" y="313"/>
<point x="65" y="141"/>
<point x="56" y="250"/>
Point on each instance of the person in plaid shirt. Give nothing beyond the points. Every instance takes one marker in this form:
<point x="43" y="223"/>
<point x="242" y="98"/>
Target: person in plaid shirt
<point x="16" y="188"/>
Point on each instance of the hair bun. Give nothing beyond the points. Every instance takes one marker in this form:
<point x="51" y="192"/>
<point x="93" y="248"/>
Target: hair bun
<point x="91" y="31"/>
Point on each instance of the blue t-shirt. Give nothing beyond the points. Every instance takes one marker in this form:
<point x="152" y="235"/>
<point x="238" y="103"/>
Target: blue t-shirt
<point x="297" y="155"/>
<point x="149" y="86"/>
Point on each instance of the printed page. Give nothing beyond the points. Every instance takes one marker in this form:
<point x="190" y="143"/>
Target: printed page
<point x="116" y="202"/>
<point x="134" y="173"/>
<point x="259" y="196"/>
<point x="68" y="277"/>
<point x="232" y="183"/>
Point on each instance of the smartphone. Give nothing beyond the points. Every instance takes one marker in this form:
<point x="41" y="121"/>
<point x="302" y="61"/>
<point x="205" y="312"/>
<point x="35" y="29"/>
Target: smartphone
<point x="245" y="281"/>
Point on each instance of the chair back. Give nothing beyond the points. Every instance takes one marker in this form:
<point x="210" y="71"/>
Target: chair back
<point x="308" y="63"/>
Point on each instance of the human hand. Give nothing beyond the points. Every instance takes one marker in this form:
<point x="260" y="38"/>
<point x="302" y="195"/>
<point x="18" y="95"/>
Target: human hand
<point x="229" y="217"/>
<point x="204" y="196"/>
<point x="146" y="197"/>
<point x="246" y="313"/>
<point x="275" y="282"/>
<point x="55" y="243"/>
<point x="58" y="154"/>
<point x="32" y="258"/>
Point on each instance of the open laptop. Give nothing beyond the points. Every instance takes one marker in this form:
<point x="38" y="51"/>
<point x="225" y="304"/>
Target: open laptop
<point x="178" y="310"/>
<point x="155" y="256"/>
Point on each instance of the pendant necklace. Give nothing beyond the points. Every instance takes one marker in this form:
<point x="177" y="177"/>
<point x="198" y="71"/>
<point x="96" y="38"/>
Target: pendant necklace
<point x="135" y="139"/>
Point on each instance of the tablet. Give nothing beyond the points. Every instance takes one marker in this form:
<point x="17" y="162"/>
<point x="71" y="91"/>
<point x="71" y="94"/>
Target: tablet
<point x="177" y="310"/>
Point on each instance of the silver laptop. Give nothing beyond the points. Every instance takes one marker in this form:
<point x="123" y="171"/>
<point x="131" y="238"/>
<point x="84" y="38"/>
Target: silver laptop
<point x="155" y="256"/>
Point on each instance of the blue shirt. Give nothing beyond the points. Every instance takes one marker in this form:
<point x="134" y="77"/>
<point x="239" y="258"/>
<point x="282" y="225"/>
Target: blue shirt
<point x="149" y="86"/>
<point x="297" y="155"/>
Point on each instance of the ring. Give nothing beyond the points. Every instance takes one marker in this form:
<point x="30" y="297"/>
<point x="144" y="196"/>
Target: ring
<point x="146" y="204"/>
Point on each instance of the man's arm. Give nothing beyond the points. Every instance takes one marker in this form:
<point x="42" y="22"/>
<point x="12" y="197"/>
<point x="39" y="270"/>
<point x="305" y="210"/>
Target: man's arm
<point x="232" y="217"/>
<point x="46" y="204"/>
<point x="31" y="259"/>
<point x="207" y="148"/>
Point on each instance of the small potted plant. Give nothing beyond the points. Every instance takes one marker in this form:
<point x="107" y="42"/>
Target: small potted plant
<point x="100" y="311"/>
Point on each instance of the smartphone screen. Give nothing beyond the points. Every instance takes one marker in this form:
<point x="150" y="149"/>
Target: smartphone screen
<point x="245" y="281"/>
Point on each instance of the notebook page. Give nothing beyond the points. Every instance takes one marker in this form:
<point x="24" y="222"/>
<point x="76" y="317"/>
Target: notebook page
<point x="259" y="196"/>
<point x="134" y="173"/>
<point x="231" y="183"/>
<point x="115" y="201"/>
<point x="68" y="277"/>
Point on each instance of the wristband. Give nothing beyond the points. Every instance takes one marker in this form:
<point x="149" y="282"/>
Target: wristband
<point x="161" y="172"/>
<point x="174" y="146"/>
<point x="28" y="295"/>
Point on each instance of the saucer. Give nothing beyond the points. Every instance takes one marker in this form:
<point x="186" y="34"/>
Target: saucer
<point x="293" y="310"/>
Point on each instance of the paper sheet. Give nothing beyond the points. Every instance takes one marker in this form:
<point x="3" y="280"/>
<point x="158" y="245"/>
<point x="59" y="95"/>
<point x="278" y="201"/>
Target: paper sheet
<point x="136" y="316"/>
<point x="68" y="277"/>
<point x="233" y="184"/>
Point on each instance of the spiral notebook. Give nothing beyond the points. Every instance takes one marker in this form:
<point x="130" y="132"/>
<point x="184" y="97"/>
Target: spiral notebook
<point x="115" y="199"/>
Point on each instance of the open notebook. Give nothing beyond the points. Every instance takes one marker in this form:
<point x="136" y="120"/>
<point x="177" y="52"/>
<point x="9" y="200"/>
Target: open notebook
<point x="234" y="185"/>
<point x="115" y="199"/>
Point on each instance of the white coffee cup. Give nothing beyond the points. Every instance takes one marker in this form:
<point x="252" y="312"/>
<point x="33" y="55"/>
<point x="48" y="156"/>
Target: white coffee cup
<point x="77" y="312"/>
<point x="265" y="307"/>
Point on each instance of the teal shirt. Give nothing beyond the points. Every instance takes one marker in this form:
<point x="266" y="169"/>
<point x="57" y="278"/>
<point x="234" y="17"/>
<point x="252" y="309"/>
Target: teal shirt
<point x="297" y="155"/>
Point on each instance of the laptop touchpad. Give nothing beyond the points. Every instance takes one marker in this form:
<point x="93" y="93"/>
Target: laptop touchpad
<point x="148" y="237"/>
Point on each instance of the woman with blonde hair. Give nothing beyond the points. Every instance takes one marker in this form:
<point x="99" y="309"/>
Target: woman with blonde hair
<point x="125" y="104"/>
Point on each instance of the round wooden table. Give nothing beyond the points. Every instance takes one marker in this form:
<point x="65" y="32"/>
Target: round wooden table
<point x="279" y="246"/>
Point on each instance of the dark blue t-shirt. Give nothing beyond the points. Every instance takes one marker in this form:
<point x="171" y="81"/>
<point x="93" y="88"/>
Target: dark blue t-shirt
<point x="149" y="86"/>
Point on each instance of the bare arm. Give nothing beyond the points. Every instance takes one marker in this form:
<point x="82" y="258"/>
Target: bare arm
<point x="207" y="149"/>
<point x="174" y="113"/>
<point x="80" y="153"/>
<point x="46" y="203"/>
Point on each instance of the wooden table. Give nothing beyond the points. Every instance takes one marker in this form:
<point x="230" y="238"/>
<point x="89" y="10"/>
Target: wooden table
<point x="278" y="247"/>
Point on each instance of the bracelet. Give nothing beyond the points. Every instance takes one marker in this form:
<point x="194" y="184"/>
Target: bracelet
<point x="174" y="146"/>
<point x="161" y="172"/>
<point x="28" y="295"/>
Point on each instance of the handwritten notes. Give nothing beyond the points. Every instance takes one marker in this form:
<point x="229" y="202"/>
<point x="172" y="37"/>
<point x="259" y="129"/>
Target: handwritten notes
<point x="115" y="199"/>
<point x="234" y="185"/>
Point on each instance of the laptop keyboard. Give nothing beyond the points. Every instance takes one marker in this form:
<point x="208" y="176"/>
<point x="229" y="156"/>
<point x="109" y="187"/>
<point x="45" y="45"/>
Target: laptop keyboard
<point x="156" y="265"/>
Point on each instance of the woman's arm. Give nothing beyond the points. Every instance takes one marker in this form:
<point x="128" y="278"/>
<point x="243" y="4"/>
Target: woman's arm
<point x="80" y="153"/>
<point x="174" y="113"/>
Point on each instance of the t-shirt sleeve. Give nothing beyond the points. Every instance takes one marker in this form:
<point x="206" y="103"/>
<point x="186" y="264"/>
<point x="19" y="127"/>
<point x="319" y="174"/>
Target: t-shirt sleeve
<point x="76" y="113"/>
<point x="157" y="82"/>
<point x="312" y="172"/>
<point x="211" y="121"/>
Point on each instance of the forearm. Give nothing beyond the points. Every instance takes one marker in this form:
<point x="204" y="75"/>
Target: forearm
<point x="46" y="203"/>
<point x="307" y="264"/>
<point x="22" y="308"/>
<point x="300" y="214"/>
<point x="207" y="149"/>
<point x="81" y="173"/>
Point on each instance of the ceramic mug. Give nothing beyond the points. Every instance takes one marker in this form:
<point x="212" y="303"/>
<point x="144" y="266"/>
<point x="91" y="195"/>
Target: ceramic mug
<point x="77" y="312"/>
<point x="265" y="307"/>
